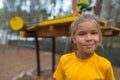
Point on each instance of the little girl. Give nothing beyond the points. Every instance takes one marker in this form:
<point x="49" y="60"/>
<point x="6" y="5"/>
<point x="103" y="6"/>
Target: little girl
<point x="84" y="63"/>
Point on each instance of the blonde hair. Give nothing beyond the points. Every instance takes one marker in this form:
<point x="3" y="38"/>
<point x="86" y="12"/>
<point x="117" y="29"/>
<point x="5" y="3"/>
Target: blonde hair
<point x="74" y="25"/>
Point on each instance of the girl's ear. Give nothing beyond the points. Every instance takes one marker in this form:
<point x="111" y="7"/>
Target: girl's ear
<point x="73" y="39"/>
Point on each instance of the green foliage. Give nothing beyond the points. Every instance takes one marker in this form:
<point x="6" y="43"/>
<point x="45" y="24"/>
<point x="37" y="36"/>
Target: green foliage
<point x="2" y="17"/>
<point x="33" y="11"/>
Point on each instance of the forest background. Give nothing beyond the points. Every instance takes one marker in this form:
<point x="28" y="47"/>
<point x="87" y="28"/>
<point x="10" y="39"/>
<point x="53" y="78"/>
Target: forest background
<point x="33" y="12"/>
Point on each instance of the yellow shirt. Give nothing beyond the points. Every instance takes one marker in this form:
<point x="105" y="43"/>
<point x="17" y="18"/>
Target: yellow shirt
<point x="70" y="67"/>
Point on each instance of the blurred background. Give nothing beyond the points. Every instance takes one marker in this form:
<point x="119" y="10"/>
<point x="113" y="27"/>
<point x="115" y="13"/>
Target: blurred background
<point x="34" y="11"/>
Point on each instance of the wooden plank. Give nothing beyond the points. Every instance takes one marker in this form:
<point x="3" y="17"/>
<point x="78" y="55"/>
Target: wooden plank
<point x="110" y="31"/>
<point x="61" y="20"/>
<point x="60" y="27"/>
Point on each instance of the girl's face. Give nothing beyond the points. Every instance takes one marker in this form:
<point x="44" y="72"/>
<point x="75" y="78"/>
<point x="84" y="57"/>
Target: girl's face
<point x="86" y="37"/>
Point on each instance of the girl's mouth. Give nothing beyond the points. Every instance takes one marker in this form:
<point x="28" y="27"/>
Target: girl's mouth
<point x="89" y="45"/>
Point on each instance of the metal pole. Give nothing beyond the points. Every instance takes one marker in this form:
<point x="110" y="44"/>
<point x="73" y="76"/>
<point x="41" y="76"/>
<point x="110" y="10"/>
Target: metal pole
<point x="37" y="56"/>
<point x="53" y="54"/>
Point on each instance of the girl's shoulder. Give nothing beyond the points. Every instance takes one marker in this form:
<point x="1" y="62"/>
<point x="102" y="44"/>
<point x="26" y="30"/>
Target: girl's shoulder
<point x="67" y="56"/>
<point x="103" y="61"/>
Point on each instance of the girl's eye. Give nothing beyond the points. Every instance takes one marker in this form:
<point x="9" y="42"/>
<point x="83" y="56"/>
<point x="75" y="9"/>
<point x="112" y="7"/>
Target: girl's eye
<point x="81" y="34"/>
<point x="94" y="33"/>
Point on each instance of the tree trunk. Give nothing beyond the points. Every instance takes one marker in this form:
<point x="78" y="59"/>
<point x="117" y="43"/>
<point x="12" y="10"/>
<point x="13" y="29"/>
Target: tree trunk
<point x="97" y="8"/>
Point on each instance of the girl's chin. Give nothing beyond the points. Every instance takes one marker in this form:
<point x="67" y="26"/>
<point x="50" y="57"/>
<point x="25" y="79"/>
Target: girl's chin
<point x="89" y="51"/>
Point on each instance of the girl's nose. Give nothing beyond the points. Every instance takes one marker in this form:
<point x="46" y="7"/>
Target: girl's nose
<point x="88" y="37"/>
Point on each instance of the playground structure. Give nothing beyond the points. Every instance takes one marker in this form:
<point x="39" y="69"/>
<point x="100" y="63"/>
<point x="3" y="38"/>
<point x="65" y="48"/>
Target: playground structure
<point x="54" y="28"/>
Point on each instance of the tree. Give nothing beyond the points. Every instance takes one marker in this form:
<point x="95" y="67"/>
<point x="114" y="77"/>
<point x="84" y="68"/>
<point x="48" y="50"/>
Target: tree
<point x="2" y="17"/>
<point x="98" y="7"/>
<point x="110" y="11"/>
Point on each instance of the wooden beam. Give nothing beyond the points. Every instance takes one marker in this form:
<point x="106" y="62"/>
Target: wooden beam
<point x="110" y="31"/>
<point x="52" y="31"/>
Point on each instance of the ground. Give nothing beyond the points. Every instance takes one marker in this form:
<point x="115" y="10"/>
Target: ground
<point x="17" y="61"/>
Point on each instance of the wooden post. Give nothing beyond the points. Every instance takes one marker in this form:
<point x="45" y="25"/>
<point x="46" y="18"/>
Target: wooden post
<point x="37" y="56"/>
<point x="53" y="54"/>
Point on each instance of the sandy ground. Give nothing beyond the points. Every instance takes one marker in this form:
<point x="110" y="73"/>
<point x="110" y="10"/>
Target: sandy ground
<point x="15" y="61"/>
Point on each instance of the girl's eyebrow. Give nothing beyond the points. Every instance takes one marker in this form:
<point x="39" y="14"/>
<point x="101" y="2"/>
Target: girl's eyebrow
<point x="91" y="30"/>
<point x="95" y="30"/>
